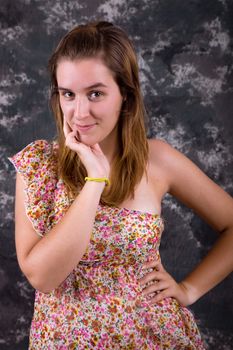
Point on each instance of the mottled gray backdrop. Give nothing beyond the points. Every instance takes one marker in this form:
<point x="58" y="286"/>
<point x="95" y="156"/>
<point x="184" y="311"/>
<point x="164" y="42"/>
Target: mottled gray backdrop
<point x="185" y="53"/>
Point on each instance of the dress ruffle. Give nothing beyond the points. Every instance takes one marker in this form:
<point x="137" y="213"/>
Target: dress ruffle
<point x="34" y="163"/>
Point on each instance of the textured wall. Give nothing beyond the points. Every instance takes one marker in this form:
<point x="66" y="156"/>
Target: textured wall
<point x="185" y="54"/>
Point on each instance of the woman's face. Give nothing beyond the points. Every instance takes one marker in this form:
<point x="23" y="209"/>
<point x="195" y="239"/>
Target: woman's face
<point x="90" y="99"/>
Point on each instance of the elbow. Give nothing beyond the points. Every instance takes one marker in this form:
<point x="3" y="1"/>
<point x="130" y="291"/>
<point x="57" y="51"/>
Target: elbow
<point x="40" y="282"/>
<point x="40" y="286"/>
<point x="40" y="277"/>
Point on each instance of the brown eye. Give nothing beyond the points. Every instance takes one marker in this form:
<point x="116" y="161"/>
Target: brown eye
<point x="68" y="94"/>
<point x="94" y="95"/>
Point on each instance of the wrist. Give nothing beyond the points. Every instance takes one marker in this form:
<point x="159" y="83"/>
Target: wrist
<point x="190" y="291"/>
<point x="96" y="186"/>
<point x="96" y="175"/>
<point x="104" y="179"/>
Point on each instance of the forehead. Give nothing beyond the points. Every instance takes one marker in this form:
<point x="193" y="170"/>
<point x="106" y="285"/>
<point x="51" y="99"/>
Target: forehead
<point x="83" y="71"/>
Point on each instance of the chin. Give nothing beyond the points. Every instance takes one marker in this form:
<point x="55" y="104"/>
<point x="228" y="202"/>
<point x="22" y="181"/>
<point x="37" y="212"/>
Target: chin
<point x="88" y="142"/>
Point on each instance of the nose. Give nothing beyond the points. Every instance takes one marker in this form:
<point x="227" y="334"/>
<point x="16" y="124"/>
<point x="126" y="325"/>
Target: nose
<point x="81" y="107"/>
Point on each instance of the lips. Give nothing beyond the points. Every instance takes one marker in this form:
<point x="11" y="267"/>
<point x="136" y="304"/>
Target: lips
<point x="84" y="128"/>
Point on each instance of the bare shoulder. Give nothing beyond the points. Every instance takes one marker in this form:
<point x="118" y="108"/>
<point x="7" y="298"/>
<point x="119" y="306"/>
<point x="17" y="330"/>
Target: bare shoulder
<point x="163" y="155"/>
<point x="160" y="154"/>
<point x="154" y="144"/>
<point x="165" y="160"/>
<point x="170" y="160"/>
<point x="189" y="184"/>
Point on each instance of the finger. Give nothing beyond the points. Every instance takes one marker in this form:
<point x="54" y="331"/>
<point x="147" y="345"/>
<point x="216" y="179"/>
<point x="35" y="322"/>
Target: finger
<point x="96" y="147"/>
<point x="71" y="137"/>
<point x="155" y="287"/>
<point x="151" y="276"/>
<point x="160" y="296"/>
<point x="72" y="143"/>
<point x="77" y="137"/>
<point x="156" y="264"/>
<point x="66" y="127"/>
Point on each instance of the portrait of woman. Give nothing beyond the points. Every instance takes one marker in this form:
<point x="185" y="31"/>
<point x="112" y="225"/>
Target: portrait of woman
<point x="89" y="218"/>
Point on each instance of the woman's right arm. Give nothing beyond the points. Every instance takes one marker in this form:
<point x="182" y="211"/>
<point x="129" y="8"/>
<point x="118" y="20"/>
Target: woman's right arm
<point x="47" y="261"/>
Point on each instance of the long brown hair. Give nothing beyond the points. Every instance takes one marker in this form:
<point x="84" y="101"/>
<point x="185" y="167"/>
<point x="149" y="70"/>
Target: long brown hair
<point x="103" y="39"/>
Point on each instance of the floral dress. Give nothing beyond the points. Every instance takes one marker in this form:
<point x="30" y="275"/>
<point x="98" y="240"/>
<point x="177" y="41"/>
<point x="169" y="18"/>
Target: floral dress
<point x="100" y="304"/>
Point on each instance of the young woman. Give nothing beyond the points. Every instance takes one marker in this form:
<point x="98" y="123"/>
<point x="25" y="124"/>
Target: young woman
<point x="94" y="199"/>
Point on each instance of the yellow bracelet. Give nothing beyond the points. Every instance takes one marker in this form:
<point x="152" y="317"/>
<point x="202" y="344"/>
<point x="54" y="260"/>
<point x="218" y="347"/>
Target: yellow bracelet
<point x="98" y="179"/>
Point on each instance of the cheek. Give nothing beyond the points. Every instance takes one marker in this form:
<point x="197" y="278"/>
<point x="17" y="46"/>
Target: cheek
<point x="66" y="113"/>
<point x="66" y="108"/>
<point x="109" y="109"/>
<point x="117" y="104"/>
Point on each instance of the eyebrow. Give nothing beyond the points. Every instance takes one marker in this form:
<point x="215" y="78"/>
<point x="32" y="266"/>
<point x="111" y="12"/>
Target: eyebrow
<point x="93" y="86"/>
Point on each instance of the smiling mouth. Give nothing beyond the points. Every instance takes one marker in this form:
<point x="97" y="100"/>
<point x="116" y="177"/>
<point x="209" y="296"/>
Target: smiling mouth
<point x="83" y="128"/>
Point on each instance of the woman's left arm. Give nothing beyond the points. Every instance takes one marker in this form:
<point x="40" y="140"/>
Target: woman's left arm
<point x="190" y="185"/>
